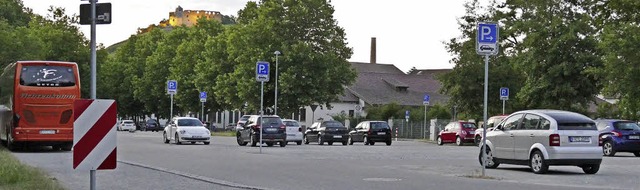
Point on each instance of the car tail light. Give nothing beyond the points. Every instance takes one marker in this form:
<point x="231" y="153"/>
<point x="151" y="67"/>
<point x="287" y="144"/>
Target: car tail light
<point x="554" y="140"/>
<point x="369" y="132"/>
<point x="616" y="133"/>
<point x="283" y="126"/>
<point x="28" y="115"/>
<point x="600" y="141"/>
<point x="66" y="116"/>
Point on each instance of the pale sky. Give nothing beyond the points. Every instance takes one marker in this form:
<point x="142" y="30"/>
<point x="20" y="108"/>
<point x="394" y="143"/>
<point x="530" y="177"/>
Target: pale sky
<point x="409" y="33"/>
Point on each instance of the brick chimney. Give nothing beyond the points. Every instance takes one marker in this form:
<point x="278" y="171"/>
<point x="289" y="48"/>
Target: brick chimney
<point x="373" y="50"/>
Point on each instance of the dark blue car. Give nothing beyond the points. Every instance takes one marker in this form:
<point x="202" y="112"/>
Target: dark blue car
<point x="619" y="136"/>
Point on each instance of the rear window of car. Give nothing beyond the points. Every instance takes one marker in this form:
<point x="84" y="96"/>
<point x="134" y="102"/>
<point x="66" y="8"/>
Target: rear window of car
<point x="271" y="120"/>
<point x="626" y="126"/>
<point x="577" y="126"/>
<point x="189" y="122"/>
<point x="244" y="118"/>
<point x="468" y="125"/>
<point x="333" y="124"/>
<point x="379" y="125"/>
<point x="291" y="123"/>
<point x="127" y="122"/>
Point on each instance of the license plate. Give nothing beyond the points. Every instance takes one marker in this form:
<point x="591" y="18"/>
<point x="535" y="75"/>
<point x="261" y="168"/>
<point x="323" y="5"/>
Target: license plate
<point x="337" y="137"/>
<point x="47" y="132"/>
<point x="635" y="137"/>
<point x="382" y="133"/>
<point x="291" y="134"/>
<point x="271" y="129"/>
<point x="579" y="139"/>
<point x="196" y="136"/>
<point x="472" y="132"/>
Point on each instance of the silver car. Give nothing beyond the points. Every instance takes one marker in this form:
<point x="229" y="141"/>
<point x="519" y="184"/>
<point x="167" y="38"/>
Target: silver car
<point x="540" y="138"/>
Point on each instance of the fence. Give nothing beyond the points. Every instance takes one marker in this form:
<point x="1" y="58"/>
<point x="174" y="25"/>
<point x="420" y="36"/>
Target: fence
<point x="416" y="130"/>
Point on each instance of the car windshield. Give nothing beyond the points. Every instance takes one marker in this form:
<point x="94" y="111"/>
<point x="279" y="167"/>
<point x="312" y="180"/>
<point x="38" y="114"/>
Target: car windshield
<point x="244" y="118"/>
<point x="577" y="126"/>
<point x="270" y="120"/>
<point x="468" y="125"/>
<point x="189" y="123"/>
<point x="379" y="125"/>
<point x="291" y="123"/>
<point x="333" y="124"/>
<point x="626" y="125"/>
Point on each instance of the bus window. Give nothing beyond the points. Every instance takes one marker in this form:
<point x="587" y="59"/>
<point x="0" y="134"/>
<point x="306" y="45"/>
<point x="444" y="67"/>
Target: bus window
<point x="47" y="76"/>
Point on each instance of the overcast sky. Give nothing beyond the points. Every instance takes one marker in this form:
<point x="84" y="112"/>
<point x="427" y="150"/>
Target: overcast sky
<point x="409" y="33"/>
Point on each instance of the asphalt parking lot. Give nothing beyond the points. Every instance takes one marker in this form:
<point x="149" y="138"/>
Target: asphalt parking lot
<point x="145" y="162"/>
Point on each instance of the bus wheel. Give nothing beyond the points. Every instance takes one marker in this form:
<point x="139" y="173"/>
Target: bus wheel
<point x="67" y="146"/>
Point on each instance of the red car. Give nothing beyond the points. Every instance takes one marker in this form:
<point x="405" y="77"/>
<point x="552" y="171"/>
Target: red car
<point x="457" y="132"/>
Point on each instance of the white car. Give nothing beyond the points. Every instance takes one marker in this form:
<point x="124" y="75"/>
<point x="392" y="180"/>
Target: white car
<point x="294" y="132"/>
<point x="186" y="129"/>
<point x="540" y="138"/>
<point x="127" y="125"/>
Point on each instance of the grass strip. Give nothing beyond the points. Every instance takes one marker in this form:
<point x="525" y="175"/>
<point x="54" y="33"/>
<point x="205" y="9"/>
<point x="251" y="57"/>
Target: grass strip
<point x="18" y="176"/>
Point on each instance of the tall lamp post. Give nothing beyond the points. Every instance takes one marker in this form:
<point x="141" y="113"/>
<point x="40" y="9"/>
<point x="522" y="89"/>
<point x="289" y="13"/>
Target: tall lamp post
<point x="275" y="112"/>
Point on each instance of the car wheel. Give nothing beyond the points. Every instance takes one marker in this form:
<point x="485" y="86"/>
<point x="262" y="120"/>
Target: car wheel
<point x="207" y="143"/>
<point x="439" y="140"/>
<point x="591" y="168"/>
<point x="490" y="160"/>
<point x="330" y="143"/>
<point x="459" y="141"/>
<point x="320" y="142"/>
<point x="240" y="140"/>
<point x="284" y="143"/>
<point x="177" y="139"/>
<point x="607" y="149"/>
<point x="366" y="140"/>
<point x="269" y="144"/>
<point x="538" y="164"/>
<point x="299" y="142"/>
<point x="350" y="141"/>
<point x="388" y="142"/>
<point x="164" y="138"/>
<point x="477" y="140"/>
<point x="637" y="154"/>
<point x="372" y="143"/>
<point x="306" y="141"/>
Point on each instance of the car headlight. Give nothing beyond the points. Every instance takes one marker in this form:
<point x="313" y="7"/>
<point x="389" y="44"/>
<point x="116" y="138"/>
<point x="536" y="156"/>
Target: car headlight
<point x="207" y="132"/>
<point x="182" y="131"/>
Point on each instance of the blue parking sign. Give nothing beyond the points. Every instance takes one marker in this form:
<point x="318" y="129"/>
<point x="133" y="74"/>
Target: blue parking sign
<point x="504" y="93"/>
<point x="172" y="87"/>
<point x="487" y="38"/>
<point x="262" y="71"/>
<point x="426" y="99"/>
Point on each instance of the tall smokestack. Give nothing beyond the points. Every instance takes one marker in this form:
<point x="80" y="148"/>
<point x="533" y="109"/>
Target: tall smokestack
<point x="373" y="50"/>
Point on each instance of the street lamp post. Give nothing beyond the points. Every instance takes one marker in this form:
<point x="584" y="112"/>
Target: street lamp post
<point x="275" y="112"/>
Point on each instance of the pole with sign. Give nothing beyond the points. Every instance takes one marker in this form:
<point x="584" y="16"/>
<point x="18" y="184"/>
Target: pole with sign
<point x="425" y="101"/>
<point x="172" y="89"/>
<point x="262" y="75"/>
<point x="486" y="44"/>
<point x="203" y="99"/>
<point x="504" y="96"/>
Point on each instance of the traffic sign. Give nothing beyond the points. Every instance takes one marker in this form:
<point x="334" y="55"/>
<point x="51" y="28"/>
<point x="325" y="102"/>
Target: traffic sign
<point x="487" y="39"/>
<point x="262" y="71"/>
<point x="172" y="87"/>
<point x="94" y="134"/>
<point x="203" y="96"/>
<point x="406" y="115"/>
<point x="358" y="108"/>
<point x="426" y="99"/>
<point x="504" y="93"/>
<point x="103" y="13"/>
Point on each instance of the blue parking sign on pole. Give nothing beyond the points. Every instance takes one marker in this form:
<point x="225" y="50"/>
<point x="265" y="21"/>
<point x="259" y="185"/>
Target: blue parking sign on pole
<point x="426" y="99"/>
<point x="504" y="93"/>
<point x="203" y="96"/>
<point x="487" y="39"/>
<point x="172" y="87"/>
<point x="262" y="71"/>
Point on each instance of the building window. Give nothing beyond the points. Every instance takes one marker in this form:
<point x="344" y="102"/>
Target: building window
<point x="302" y="113"/>
<point x="351" y="113"/>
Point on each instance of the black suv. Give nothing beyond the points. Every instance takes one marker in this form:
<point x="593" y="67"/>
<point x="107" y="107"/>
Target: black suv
<point x="371" y="132"/>
<point x="326" y="131"/>
<point x="272" y="128"/>
<point x="152" y="125"/>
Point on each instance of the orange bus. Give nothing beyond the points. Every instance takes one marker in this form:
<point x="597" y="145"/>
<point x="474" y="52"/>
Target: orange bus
<point x="36" y="104"/>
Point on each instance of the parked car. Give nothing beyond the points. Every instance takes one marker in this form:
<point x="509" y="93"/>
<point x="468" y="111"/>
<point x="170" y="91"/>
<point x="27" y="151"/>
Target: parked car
<point x="186" y="129"/>
<point x="457" y="132"/>
<point x="326" y="131"/>
<point x="152" y="125"/>
<point x="619" y="136"/>
<point x="540" y="138"/>
<point x="242" y="121"/>
<point x="371" y="132"/>
<point x="294" y="132"/>
<point x="272" y="129"/>
<point x="127" y="125"/>
<point x="491" y="122"/>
